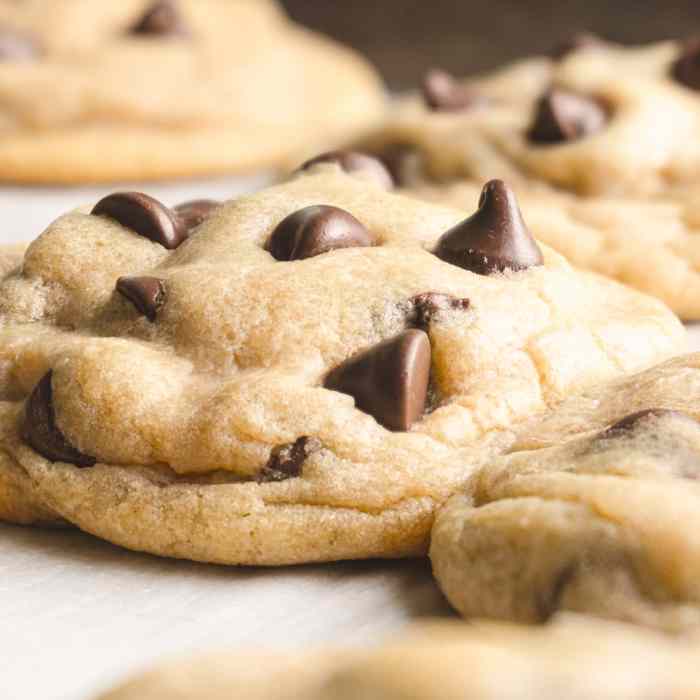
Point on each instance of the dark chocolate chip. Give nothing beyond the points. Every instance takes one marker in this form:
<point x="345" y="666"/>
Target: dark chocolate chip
<point x="41" y="432"/>
<point x="147" y="294"/>
<point x="287" y="461"/>
<point x="686" y="68"/>
<point x="194" y="212"/>
<point x="144" y="215"/>
<point x="388" y="381"/>
<point x="426" y="307"/>
<point x="162" y="18"/>
<point x="494" y="239"/>
<point x="577" y="42"/>
<point x="442" y="93"/>
<point x="630" y="423"/>
<point x="356" y="162"/>
<point x="18" y="47"/>
<point x="316" y="230"/>
<point x="562" y="116"/>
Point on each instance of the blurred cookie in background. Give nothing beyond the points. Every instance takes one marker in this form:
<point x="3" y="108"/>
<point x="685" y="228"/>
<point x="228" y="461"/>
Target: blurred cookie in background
<point x="598" y="139"/>
<point x="139" y="89"/>
<point x="573" y="658"/>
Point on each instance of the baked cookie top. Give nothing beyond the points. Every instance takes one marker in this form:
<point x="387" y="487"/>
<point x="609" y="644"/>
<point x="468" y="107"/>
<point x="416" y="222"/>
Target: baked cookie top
<point x="570" y="659"/>
<point x="595" y="510"/>
<point x="158" y="88"/>
<point x="299" y="374"/>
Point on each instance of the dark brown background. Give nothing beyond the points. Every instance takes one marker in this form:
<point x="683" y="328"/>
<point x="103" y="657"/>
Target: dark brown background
<point x="405" y="37"/>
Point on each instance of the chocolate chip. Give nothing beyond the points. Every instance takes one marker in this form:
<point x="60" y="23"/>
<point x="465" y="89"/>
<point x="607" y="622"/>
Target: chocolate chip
<point x="147" y="294"/>
<point x="42" y="433"/>
<point x="403" y="161"/>
<point x="630" y="423"/>
<point x="356" y="162"/>
<point x="388" y="381"/>
<point x="686" y="68"/>
<point x="286" y="461"/>
<point x="426" y="307"/>
<point x="18" y="47"/>
<point x="194" y="212"/>
<point x="160" y="19"/>
<point x="145" y="216"/>
<point x="494" y="239"/>
<point x="577" y="42"/>
<point x="442" y="93"/>
<point x="316" y="230"/>
<point x="565" y="116"/>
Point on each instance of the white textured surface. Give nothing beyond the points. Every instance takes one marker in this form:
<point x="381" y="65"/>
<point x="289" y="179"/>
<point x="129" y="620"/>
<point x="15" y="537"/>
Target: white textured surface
<point x="77" y="614"/>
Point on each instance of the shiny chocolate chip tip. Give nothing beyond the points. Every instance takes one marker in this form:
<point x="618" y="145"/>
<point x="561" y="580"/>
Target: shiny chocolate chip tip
<point x="145" y="216"/>
<point x="316" y="230"/>
<point x="388" y="381"/>
<point x="494" y="239"/>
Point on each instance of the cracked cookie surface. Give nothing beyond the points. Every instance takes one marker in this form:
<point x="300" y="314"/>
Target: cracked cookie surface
<point x="153" y="89"/>
<point x="607" y="195"/>
<point x="240" y="408"/>
<point x="571" y="659"/>
<point x="594" y="510"/>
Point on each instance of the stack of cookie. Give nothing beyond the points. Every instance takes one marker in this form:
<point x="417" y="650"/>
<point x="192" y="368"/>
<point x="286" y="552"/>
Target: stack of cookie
<point x="373" y="358"/>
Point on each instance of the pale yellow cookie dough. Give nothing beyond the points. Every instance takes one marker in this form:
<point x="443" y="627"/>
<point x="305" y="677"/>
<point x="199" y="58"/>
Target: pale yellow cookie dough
<point x="622" y="201"/>
<point x="244" y="89"/>
<point x="182" y="414"/>
<point x="570" y="659"/>
<point x="583" y="517"/>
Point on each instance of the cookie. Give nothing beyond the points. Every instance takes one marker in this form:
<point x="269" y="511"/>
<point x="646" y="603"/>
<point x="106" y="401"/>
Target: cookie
<point x="594" y="510"/>
<point x="571" y="659"/>
<point x="303" y="376"/>
<point x="599" y="143"/>
<point x="144" y="89"/>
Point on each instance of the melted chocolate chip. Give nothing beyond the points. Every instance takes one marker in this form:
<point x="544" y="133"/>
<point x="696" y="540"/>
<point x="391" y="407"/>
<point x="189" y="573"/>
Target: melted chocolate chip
<point x="427" y="307"/>
<point x="388" y="381"/>
<point x="145" y="216"/>
<point x="41" y="432"/>
<point x="194" y="212"/>
<point x="316" y="230"/>
<point x="686" y="68"/>
<point x="147" y="294"/>
<point x="160" y="19"/>
<point x="442" y="93"/>
<point x="287" y="461"/>
<point x="630" y="423"/>
<point x="492" y="240"/>
<point x="356" y="162"/>
<point x="18" y="47"/>
<point x="577" y="42"/>
<point x="563" y="116"/>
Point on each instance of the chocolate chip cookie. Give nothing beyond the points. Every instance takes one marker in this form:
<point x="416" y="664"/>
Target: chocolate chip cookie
<point x="143" y="89"/>
<point x="301" y="374"/>
<point x="570" y="659"/>
<point x="598" y="140"/>
<point x="595" y="510"/>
